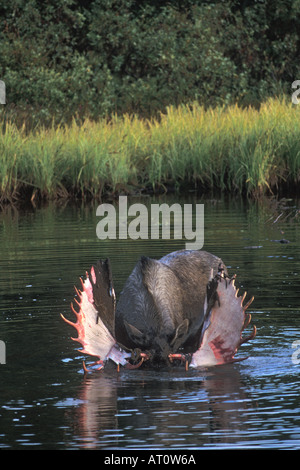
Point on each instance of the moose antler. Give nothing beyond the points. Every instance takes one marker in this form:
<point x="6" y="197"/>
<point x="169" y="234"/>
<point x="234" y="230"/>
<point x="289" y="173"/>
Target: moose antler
<point x="94" y="336"/>
<point x="226" y="321"/>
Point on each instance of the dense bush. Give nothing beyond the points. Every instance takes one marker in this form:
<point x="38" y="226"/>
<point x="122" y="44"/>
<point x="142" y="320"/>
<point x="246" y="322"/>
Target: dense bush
<point x="61" y="58"/>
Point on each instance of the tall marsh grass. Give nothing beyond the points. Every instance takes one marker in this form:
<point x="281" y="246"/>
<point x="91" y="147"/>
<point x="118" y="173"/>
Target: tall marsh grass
<point x="231" y="149"/>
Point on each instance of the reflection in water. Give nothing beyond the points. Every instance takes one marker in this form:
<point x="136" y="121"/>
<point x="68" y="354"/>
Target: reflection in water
<point x="167" y="410"/>
<point x="98" y="412"/>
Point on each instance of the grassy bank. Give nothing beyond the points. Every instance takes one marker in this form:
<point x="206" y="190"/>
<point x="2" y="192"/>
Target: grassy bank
<point x="230" y="149"/>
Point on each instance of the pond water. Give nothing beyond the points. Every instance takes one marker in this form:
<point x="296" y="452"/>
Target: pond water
<point x="46" y="402"/>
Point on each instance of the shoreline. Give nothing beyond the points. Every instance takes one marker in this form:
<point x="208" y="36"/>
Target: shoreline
<point x="243" y="151"/>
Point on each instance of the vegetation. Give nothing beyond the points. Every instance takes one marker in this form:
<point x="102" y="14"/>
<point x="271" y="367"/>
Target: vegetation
<point x="120" y="95"/>
<point x="94" y="58"/>
<point x="228" y="148"/>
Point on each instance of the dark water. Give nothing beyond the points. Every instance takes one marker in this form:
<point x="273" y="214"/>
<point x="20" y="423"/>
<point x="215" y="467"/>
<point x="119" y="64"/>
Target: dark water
<point x="47" y="403"/>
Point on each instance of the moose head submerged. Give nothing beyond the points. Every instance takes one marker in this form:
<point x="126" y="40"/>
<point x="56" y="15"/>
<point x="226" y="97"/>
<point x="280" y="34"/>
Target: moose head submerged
<point x="183" y="307"/>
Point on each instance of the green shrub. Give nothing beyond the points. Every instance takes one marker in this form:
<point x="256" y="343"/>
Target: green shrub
<point x="66" y="58"/>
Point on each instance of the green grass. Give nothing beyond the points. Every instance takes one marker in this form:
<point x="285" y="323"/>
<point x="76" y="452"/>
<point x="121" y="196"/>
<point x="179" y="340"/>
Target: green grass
<point x="231" y="149"/>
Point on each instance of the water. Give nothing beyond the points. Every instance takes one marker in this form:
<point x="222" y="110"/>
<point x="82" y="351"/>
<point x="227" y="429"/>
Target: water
<point x="47" y="403"/>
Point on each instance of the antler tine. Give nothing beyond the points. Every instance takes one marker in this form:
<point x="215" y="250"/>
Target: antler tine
<point x="248" y="303"/>
<point x="247" y="320"/>
<point x="67" y="321"/>
<point x="243" y="297"/>
<point x="251" y="336"/>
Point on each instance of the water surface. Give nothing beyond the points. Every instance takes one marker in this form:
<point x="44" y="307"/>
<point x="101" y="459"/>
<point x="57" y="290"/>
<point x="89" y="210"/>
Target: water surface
<point x="47" y="403"/>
